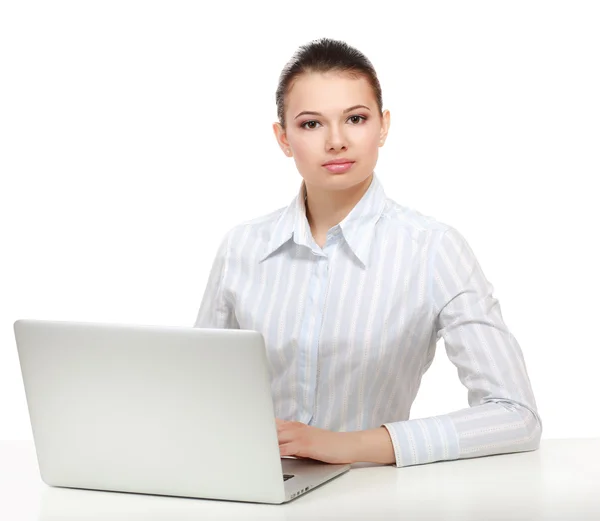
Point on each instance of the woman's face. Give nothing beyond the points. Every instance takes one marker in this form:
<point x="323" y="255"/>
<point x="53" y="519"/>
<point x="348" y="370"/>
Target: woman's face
<point x="335" y="132"/>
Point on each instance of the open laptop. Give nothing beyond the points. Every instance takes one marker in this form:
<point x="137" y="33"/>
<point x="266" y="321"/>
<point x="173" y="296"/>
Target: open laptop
<point x="176" y="411"/>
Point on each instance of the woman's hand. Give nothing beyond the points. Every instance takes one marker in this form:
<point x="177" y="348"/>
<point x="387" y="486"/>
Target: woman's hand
<point x="304" y="441"/>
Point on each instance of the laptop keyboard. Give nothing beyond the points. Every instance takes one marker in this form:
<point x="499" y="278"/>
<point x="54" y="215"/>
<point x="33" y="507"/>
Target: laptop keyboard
<point x="287" y="476"/>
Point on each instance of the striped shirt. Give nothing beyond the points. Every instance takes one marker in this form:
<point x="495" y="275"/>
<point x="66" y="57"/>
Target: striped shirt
<point x="351" y="328"/>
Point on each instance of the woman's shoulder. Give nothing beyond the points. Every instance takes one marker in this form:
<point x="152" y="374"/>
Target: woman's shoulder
<point x="263" y="222"/>
<point x="267" y="219"/>
<point x="425" y="229"/>
<point x="253" y="230"/>
<point x="412" y="219"/>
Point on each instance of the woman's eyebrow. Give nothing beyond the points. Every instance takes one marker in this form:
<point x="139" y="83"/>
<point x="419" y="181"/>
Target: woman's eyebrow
<point x="319" y="114"/>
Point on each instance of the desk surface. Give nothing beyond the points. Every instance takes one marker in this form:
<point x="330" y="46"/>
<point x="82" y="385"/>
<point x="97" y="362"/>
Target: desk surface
<point x="559" y="481"/>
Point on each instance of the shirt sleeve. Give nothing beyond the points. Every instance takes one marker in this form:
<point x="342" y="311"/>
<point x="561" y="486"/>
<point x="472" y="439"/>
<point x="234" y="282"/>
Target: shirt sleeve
<point x="216" y="310"/>
<point x="502" y="415"/>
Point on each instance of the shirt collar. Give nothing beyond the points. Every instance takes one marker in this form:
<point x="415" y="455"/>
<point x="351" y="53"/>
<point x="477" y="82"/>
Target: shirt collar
<point x="357" y="227"/>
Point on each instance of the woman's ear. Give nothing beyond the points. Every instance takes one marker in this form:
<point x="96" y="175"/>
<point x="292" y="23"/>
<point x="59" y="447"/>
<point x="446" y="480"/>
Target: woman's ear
<point x="281" y="138"/>
<point x="385" y="126"/>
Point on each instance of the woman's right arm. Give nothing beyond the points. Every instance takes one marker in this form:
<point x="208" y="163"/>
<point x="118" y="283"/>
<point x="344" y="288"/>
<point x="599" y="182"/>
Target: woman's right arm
<point x="216" y="310"/>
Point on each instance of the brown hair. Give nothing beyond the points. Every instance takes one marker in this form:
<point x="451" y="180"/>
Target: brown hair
<point x="325" y="55"/>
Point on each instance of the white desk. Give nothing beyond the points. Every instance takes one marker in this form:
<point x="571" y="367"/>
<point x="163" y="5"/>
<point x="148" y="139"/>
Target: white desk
<point x="560" y="481"/>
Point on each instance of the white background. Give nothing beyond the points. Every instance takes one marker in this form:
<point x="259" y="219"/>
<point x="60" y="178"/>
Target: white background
<point x="133" y="135"/>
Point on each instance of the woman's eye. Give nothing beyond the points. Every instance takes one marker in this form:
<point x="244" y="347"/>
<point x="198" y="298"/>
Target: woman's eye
<point x="355" y="120"/>
<point x="359" y="118"/>
<point x="304" y="124"/>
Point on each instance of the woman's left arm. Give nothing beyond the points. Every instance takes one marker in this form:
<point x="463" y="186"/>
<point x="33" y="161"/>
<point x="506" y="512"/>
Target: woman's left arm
<point x="502" y="416"/>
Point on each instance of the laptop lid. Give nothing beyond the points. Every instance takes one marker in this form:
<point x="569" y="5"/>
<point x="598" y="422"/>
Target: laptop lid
<point x="162" y="410"/>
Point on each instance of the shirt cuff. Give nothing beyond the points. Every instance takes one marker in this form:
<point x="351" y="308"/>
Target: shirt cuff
<point x="424" y="440"/>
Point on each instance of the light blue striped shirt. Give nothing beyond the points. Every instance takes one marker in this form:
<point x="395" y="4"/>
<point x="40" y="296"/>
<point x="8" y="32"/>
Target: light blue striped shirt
<point x="351" y="328"/>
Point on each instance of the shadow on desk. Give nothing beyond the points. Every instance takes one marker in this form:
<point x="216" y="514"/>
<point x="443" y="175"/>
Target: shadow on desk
<point x="367" y="491"/>
<point x="68" y="504"/>
<point x="559" y="481"/>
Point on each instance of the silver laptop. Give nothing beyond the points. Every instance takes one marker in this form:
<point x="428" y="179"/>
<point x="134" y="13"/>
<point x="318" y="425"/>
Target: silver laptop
<point x="172" y="411"/>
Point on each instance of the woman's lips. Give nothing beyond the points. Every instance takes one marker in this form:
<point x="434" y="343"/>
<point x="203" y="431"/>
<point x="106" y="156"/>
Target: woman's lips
<point x="339" y="168"/>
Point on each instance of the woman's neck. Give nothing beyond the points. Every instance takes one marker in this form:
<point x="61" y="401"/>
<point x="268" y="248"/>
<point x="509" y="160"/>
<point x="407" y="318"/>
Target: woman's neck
<point x="327" y="208"/>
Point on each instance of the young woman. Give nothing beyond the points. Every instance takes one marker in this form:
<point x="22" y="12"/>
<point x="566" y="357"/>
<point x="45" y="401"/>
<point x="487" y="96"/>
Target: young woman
<point x="352" y="291"/>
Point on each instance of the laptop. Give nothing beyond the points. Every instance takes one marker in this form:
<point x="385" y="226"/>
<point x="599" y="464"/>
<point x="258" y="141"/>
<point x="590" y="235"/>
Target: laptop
<point x="176" y="411"/>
